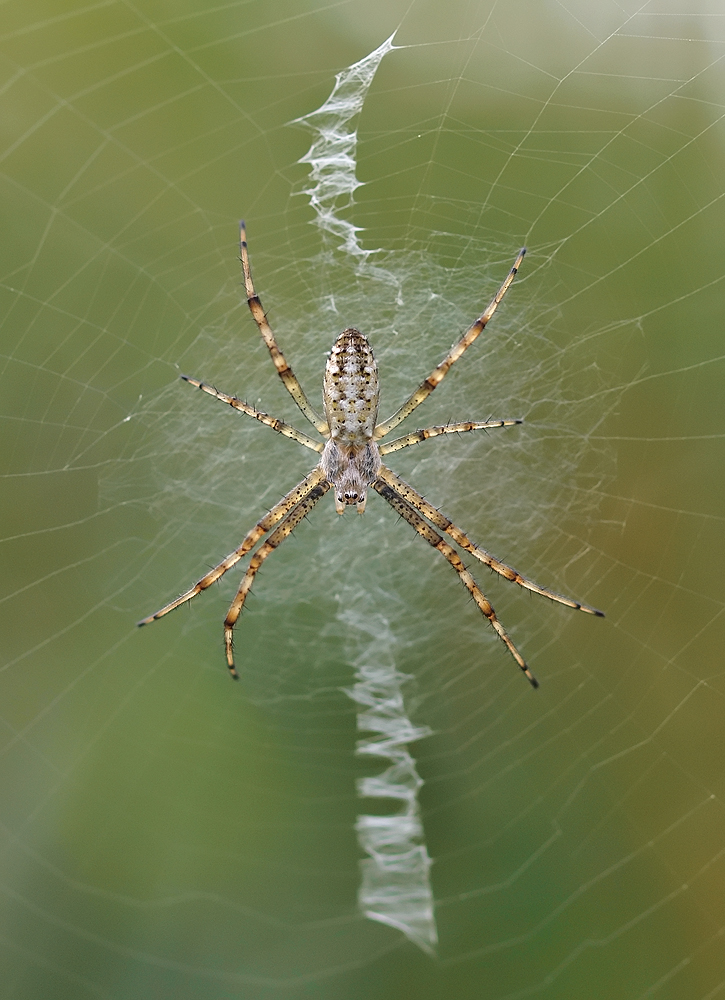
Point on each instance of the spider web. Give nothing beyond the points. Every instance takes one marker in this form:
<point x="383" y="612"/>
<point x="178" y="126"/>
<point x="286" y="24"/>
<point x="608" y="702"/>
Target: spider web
<point x="167" y="833"/>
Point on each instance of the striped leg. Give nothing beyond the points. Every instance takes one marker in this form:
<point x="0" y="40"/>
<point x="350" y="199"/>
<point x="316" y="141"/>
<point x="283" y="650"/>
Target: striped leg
<point x="428" y="384"/>
<point x="263" y="418"/>
<point x="413" y="518"/>
<point x="276" y="538"/>
<point x="285" y="505"/>
<point x="284" y="371"/>
<point x="430" y="432"/>
<point x="445" y="524"/>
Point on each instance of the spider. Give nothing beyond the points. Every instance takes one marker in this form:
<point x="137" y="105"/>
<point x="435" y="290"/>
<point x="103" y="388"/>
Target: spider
<point x="351" y="462"/>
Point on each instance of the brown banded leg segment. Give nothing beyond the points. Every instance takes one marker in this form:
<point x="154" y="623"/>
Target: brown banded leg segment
<point x="277" y="425"/>
<point x="445" y="524"/>
<point x="278" y="535"/>
<point x="460" y="538"/>
<point x="440" y="371"/>
<point x="284" y="371"/>
<point x="433" y="538"/>
<point x="294" y="497"/>
<point x="430" y="432"/>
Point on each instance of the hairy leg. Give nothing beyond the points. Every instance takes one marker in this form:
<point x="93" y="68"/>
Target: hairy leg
<point x="428" y="384"/>
<point x="284" y="530"/>
<point x="413" y="518"/>
<point x="263" y="418"/>
<point x="280" y="510"/>
<point x="284" y="371"/>
<point x="445" y="524"/>
<point x="430" y="432"/>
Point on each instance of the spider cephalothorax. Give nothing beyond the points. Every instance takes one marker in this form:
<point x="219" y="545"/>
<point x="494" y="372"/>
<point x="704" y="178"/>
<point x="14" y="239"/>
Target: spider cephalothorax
<point x="351" y="462"/>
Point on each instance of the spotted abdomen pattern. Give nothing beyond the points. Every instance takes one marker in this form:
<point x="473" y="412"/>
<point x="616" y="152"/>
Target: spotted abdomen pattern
<point x="350" y="390"/>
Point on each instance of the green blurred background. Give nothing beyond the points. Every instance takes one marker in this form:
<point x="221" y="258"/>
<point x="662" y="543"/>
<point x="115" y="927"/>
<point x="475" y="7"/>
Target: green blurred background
<point x="168" y="834"/>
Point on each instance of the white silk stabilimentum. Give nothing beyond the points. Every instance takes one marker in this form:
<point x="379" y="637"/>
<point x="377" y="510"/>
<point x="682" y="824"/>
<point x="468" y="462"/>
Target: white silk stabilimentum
<point x="395" y="887"/>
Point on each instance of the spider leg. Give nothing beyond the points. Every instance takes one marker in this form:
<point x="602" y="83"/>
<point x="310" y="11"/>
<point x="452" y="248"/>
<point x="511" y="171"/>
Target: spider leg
<point x="399" y="504"/>
<point x="445" y="524"/>
<point x="286" y="504"/>
<point x="427" y="386"/>
<point x="263" y="418"/>
<point x="429" y="432"/>
<point x="284" y="371"/>
<point x="285" y="529"/>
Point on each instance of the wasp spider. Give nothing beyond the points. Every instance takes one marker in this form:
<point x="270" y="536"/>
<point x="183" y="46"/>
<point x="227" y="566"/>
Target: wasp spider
<point x="351" y="462"/>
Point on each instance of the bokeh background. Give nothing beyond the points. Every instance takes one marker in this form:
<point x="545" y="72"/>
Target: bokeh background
<point x="166" y="833"/>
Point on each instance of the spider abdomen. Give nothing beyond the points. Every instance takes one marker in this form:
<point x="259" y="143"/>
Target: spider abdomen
<point x="351" y="390"/>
